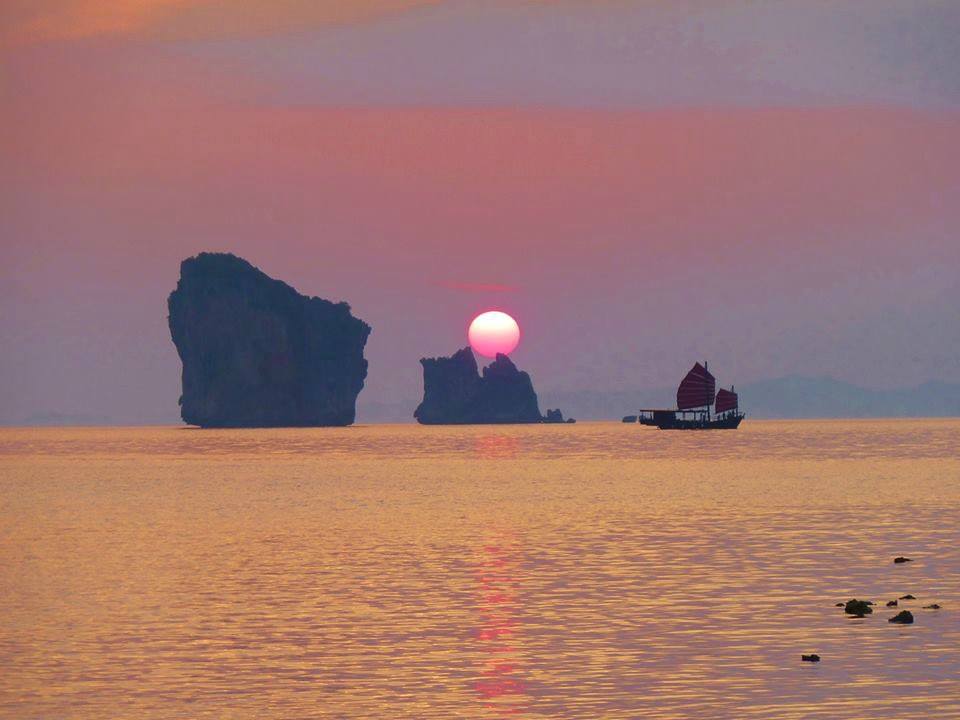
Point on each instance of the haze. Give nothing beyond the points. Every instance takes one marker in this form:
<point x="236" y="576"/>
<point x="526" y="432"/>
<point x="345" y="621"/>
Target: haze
<point x="773" y="187"/>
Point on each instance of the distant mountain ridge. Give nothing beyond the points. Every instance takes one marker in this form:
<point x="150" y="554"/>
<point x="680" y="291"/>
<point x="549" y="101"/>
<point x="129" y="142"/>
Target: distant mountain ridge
<point x="792" y="396"/>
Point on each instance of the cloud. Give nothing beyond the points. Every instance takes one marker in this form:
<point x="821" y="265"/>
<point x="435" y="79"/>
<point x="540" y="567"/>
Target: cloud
<point x="474" y="287"/>
<point x="618" y="54"/>
<point x="44" y="20"/>
<point x="28" y="21"/>
<point x="570" y="53"/>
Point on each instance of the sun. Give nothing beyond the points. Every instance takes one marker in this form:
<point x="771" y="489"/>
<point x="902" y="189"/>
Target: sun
<point x="494" y="332"/>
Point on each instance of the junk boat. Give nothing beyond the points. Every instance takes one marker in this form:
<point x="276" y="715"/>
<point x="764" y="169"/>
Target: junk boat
<point x="696" y="396"/>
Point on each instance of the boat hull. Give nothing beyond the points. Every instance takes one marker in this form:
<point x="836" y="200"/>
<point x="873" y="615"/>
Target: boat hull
<point x="729" y="422"/>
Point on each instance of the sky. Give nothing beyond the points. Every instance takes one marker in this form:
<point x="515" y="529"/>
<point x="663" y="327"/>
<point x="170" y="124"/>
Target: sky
<point x="770" y="186"/>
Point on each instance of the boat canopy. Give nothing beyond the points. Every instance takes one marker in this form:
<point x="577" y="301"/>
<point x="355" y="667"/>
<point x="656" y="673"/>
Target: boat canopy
<point x="697" y="389"/>
<point x="726" y="400"/>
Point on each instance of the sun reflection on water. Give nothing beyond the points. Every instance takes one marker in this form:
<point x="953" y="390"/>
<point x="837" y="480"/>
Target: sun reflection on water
<point x="496" y="445"/>
<point x="500" y="685"/>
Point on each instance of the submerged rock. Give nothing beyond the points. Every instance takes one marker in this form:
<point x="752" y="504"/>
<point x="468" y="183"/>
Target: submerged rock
<point x="901" y="559"/>
<point x="904" y="617"/>
<point x="454" y="393"/>
<point x="256" y="353"/>
<point x="907" y="597"/>
<point x="931" y="607"/>
<point x="810" y="658"/>
<point x="858" y="607"/>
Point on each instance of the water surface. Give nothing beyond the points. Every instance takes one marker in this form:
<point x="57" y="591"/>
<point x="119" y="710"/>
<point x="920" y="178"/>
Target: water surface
<point x="585" y="571"/>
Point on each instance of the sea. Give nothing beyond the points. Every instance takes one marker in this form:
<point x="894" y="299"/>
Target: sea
<point x="596" y="570"/>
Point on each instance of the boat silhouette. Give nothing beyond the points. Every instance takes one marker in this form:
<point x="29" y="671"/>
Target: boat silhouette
<point x="699" y="405"/>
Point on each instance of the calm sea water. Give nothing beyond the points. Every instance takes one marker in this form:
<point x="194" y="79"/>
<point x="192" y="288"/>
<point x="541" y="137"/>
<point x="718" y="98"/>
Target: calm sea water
<point x="587" y="571"/>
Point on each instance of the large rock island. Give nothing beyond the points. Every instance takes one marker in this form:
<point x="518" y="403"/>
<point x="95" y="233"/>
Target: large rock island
<point x="256" y="353"/>
<point x="454" y="392"/>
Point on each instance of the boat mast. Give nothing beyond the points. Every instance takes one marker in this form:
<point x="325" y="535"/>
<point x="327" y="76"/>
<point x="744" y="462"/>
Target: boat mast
<point x="707" y="368"/>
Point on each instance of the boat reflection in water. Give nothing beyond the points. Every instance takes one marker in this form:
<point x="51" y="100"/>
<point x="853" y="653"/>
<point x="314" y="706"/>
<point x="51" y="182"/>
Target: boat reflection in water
<point x="696" y="396"/>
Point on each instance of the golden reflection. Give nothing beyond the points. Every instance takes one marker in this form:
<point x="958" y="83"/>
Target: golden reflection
<point x="498" y="445"/>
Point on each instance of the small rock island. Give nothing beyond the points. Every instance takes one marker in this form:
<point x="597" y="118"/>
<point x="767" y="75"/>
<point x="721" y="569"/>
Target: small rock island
<point x="256" y="353"/>
<point x="455" y="393"/>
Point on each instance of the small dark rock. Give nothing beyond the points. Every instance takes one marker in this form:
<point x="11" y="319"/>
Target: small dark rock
<point x="892" y="603"/>
<point x="907" y="597"/>
<point x="839" y="604"/>
<point x="810" y="658"/>
<point x="931" y="607"/>
<point x="555" y="416"/>
<point x="904" y="617"/>
<point x="902" y="559"/>
<point x="858" y="607"/>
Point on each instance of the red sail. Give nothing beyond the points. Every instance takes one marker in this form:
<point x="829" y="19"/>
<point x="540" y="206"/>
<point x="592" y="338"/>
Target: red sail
<point x="697" y="389"/>
<point x="726" y="400"/>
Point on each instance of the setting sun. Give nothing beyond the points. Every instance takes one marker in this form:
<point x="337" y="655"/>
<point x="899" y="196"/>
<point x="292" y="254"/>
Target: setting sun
<point x="494" y="332"/>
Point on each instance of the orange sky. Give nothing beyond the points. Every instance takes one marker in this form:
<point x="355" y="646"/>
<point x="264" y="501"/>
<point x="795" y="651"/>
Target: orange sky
<point x="31" y="21"/>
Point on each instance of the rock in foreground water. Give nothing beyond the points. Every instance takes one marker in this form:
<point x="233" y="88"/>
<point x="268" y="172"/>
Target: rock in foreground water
<point x="256" y="353"/>
<point x="858" y="607"/>
<point x="904" y="617"/>
<point x="901" y="559"/>
<point x="810" y="658"/>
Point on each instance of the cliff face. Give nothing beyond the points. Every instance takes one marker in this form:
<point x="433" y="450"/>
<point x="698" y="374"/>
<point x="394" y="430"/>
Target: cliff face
<point x="454" y="393"/>
<point x="506" y="394"/>
<point x="256" y="353"/>
<point x="450" y="388"/>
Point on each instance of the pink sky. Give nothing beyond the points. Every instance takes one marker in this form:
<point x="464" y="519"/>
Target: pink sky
<point x="814" y="235"/>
